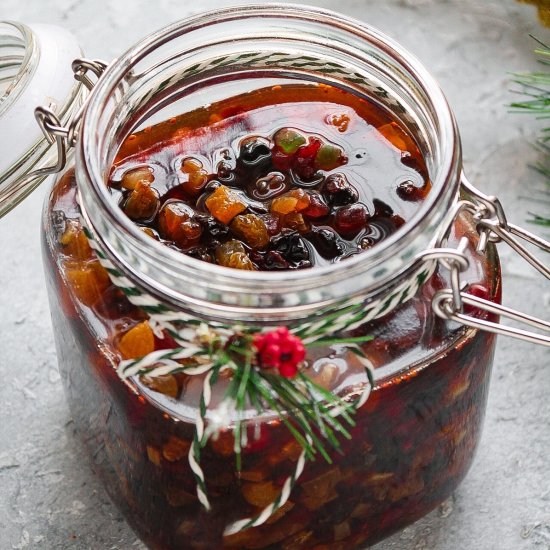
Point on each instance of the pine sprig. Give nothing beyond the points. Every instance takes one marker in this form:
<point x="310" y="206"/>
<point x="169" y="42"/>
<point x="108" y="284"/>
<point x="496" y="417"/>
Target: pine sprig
<point x="535" y="87"/>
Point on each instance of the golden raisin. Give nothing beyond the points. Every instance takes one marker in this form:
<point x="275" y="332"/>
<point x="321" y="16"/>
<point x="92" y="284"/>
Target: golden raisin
<point x="131" y="178"/>
<point x="224" y="204"/>
<point x="232" y="254"/>
<point x="251" y="229"/>
<point x="142" y="203"/>
<point x="197" y="176"/>
<point x="88" y="281"/>
<point x="137" y="342"/>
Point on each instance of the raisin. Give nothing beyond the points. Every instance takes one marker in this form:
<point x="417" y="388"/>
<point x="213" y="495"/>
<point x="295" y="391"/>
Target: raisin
<point x="142" y="203"/>
<point x="292" y="247"/>
<point x="201" y="253"/>
<point x="351" y="219"/>
<point x="274" y="260"/>
<point x="326" y="242"/>
<point x="224" y="204"/>
<point x="214" y="228"/>
<point x="251" y="229"/>
<point x="339" y="191"/>
<point x="254" y="150"/>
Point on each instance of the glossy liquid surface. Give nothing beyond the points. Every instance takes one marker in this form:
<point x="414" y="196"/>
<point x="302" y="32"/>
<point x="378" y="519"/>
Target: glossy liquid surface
<point x="286" y="177"/>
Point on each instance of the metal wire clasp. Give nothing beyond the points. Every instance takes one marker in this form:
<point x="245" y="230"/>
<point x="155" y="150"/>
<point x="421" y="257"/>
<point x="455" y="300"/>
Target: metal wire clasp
<point x="492" y="226"/>
<point x="64" y="136"/>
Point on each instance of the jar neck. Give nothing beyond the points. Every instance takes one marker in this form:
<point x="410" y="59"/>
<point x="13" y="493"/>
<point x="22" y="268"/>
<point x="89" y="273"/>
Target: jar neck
<point x="176" y="66"/>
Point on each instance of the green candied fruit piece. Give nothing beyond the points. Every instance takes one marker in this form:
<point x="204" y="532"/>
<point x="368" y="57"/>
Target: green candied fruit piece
<point x="289" y="140"/>
<point x="329" y="157"/>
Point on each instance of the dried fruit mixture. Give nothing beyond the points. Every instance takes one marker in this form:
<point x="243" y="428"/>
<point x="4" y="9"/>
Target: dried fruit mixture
<point x="287" y="177"/>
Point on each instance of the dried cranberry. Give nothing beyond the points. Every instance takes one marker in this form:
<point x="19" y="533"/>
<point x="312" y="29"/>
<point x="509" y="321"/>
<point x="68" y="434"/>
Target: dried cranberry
<point x="339" y="191"/>
<point x="351" y="219"/>
<point x="317" y="207"/>
<point x="326" y="242"/>
<point x="408" y="191"/>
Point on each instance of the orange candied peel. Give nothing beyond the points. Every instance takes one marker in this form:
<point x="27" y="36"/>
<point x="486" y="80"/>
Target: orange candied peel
<point x="224" y="204"/>
<point x="74" y="241"/>
<point x="137" y="342"/>
<point x="176" y="223"/>
<point x="293" y="201"/>
<point x="87" y="280"/>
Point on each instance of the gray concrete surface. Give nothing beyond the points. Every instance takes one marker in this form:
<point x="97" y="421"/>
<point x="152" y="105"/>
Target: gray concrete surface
<point x="48" y="496"/>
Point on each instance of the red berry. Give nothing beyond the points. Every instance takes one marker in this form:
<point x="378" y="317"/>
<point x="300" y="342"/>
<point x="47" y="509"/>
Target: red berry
<point x="351" y="219"/>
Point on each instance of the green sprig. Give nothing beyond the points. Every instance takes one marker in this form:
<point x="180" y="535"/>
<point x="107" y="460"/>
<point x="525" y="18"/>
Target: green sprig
<point x="535" y="87"/>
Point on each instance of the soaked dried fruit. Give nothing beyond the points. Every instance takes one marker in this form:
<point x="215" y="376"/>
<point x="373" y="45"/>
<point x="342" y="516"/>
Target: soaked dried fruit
<point x="233" y="254"/>
<point x="88" y="281"/>
<point x="142" y="203"/>
<point x="224" y="204"/>
<point x="260" y="494"/>
<point x="131" y="178"/>
<point x="137" y="342"/>
<point x="177" y="223"/>
<point x="166" y="384"/>
<point x="339" y="191"/>
<point x="195" y="176"/>
<point x="293" y="201"/>
<point x="74" y="241"/>
<point x="351" y="219"/>
<point x="251" y="229"/>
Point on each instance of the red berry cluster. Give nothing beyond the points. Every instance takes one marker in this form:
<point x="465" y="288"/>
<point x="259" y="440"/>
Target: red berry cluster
<point x="281" y="350"/>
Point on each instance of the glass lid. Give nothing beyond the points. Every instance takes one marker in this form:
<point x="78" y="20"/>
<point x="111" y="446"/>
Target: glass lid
<point x="35" y="70"/>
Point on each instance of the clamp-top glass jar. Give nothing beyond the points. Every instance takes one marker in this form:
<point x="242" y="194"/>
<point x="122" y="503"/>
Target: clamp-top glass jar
<point x="116" y="294"/>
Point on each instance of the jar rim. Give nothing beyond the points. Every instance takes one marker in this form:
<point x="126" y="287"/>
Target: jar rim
<point x="236" y="288"/>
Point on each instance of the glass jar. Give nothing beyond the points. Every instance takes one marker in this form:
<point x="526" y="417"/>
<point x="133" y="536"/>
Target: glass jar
<point x="414" y="437"/>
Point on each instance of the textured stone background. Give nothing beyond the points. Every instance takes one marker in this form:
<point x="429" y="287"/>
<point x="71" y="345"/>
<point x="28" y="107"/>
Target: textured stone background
<point x="48" y="496"/>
